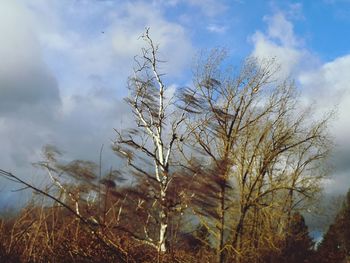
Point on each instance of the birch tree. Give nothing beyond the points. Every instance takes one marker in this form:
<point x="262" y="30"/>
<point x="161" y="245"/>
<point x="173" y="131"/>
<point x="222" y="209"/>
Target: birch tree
<point x="149" y="147"/>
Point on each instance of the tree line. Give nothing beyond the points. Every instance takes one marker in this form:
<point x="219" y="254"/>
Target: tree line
<point x="220" y="171"/>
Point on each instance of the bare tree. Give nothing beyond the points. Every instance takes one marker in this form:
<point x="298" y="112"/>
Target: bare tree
<point x="149" y="148"/>
<point x="250" y="130"/>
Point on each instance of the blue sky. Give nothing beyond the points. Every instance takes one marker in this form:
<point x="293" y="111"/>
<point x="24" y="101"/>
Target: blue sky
<point x="64" y="65"/>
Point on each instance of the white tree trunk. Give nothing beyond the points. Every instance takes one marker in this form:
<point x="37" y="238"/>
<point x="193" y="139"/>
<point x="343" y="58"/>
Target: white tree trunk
<point x="162" y="235"/>
<point x="163" y="223"/>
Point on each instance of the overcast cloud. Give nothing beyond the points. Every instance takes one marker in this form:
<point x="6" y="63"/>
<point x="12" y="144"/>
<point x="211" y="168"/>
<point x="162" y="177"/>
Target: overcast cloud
<point x="63" y="84"/>
<point x="64" y="66"/>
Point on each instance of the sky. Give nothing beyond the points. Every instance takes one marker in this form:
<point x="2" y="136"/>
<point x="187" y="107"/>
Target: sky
<point x="64" y="66"/>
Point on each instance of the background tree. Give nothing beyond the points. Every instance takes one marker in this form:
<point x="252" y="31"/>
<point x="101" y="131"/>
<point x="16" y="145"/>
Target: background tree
<point x="335" y="245"/>
<point x="298" y="245"/>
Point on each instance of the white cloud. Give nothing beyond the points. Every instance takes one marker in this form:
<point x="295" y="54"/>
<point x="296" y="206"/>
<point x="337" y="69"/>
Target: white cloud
<point x="287" y="57"/>
<point x="326" y="85"/>
<point x="130" y="21"/>
<point x="280" y="29"/>
<point x="100" y="38"/>
<point x="329" y="86"/>
<point x="216" y="28"/>
<point x="281" y="43"/>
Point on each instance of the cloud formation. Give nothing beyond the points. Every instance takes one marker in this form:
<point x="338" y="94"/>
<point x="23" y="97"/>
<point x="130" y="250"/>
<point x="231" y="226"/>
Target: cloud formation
<point x="63" y="73"/>
<point x="326" y="85"/>
<point x="280" y="42"/>
<point x="128" y="24"/>
<point x="27" y="86"/>
<point x="64" y="66"/>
